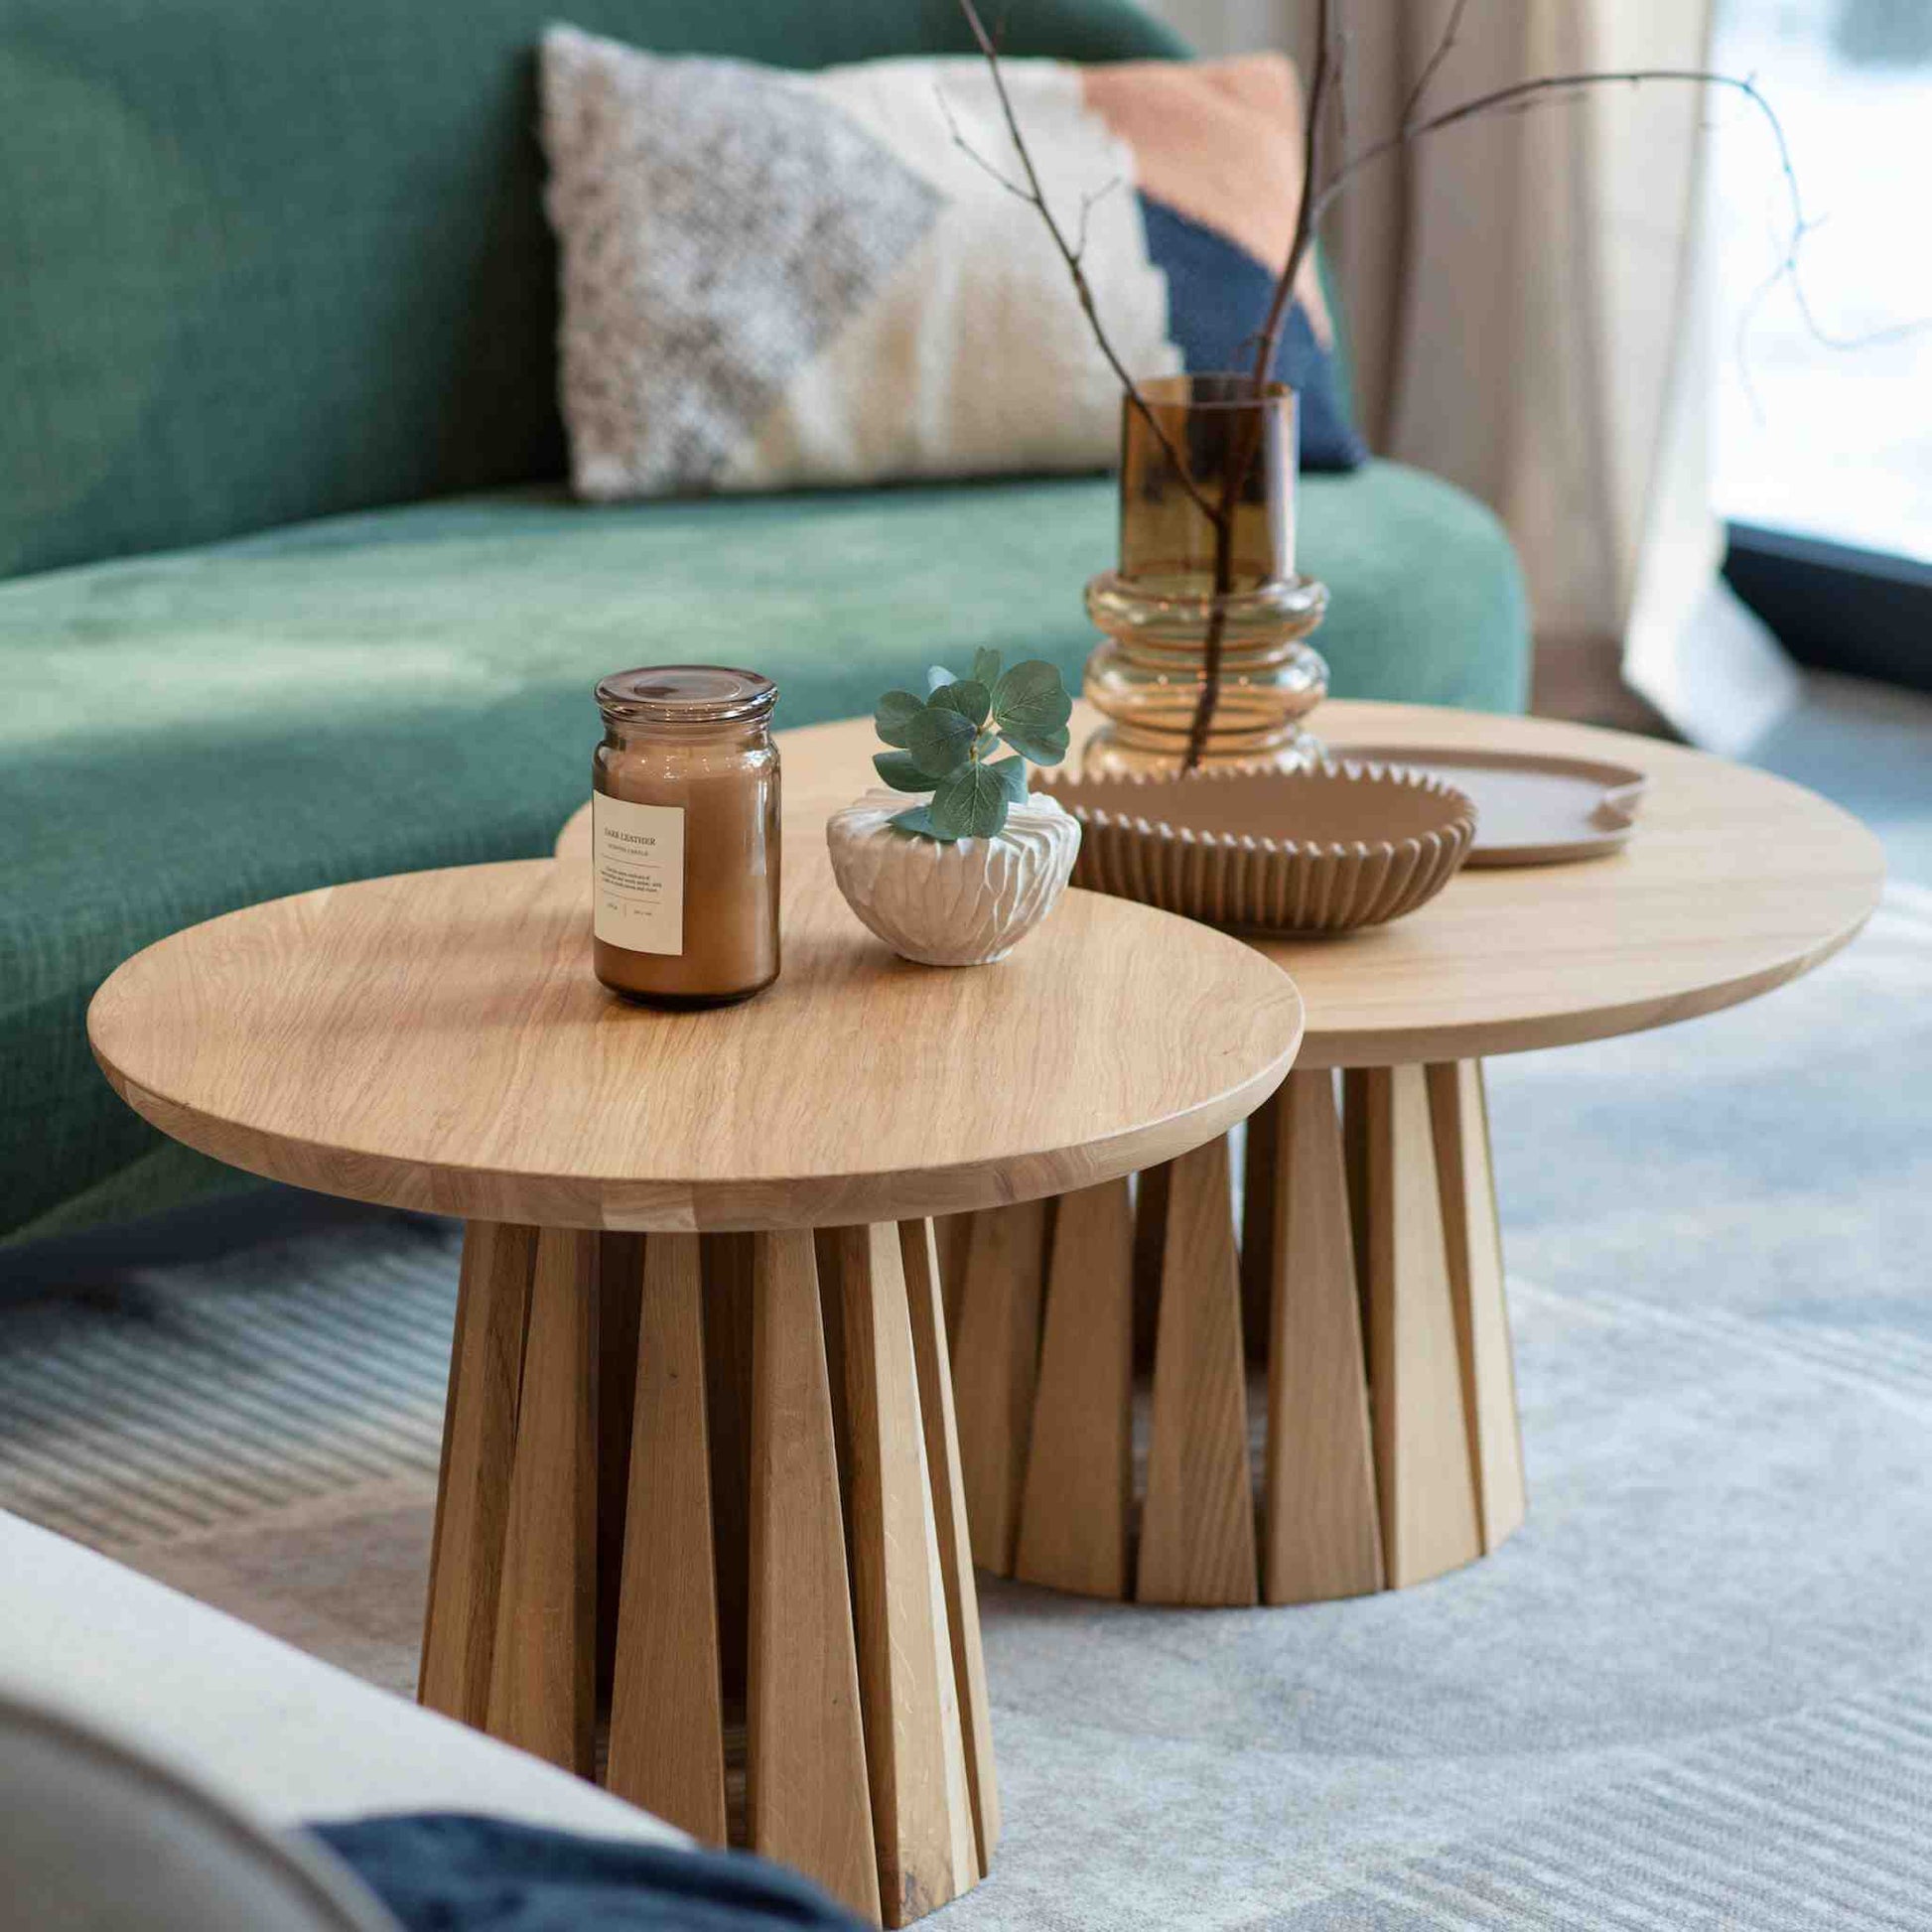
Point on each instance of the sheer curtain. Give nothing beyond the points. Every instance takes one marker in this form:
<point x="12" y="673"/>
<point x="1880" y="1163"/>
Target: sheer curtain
<point x="1529" y="306"/>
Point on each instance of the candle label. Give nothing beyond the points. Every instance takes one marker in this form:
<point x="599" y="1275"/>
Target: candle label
<point x="637" y="875"/>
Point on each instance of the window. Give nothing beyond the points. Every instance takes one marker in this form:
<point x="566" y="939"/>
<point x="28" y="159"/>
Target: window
<point x="1823" y="464"/>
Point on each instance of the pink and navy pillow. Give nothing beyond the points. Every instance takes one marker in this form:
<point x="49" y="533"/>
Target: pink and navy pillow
<point x="774" y="279"/>
<point x="1218" y="153"/>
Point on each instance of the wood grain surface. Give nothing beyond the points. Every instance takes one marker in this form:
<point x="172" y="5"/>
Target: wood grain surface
<point x="1076" y="1516"/>
<point x="918" y="1253"/>
<point x="921" y="1804"/>
<point x="1734" y="882"/>
<point x="806" y="1789"/>
<point x="1425" y="1473"/>
<point x="995" y="1358"/>
<point x="1197" y="1525"/>
<point x="543" y="1665"/>
<point x="474" y="1491"/>
<point x="437" y="1040"/>
<point x="1322" y="1533"/>
<point x="1459" y="1112"/>
<point x="667" y="1748"/>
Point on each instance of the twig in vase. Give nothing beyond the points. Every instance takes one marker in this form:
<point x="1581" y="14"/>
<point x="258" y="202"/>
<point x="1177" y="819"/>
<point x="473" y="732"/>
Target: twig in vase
<point x="1318" y="195"/>
<point x="1244" y="443"/>
<point x="1069" y="252"/>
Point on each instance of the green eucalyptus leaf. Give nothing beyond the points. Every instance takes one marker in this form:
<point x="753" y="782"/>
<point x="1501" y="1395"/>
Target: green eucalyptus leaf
<point x="1040" y="747"/>
<point x="899" y="772"/>
<point x="1011" y="772"/>
<point x="970" y="700"/>
<point x="893" y="712"/>
<point x="918" y="820"/>
<point x="936" y="675"/>
<point x="1030" y="701"/>
<point x="970" y="803"/>
<point x="986" y="668"/>
<point x="939" y="738"/>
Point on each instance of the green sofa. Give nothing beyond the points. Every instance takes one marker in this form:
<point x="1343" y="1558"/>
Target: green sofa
<point x="292" y="591"/>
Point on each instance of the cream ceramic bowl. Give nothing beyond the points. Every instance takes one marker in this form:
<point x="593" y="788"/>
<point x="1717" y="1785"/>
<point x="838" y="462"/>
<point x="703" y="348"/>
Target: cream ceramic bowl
<point x="1323" y="849"/>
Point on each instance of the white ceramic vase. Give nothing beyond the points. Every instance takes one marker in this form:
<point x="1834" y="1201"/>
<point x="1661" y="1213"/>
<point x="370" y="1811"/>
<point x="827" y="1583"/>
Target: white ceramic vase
<point x="966" y="904"/>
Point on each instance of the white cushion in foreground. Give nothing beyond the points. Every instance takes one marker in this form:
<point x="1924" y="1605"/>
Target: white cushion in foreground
<point x="284" y="1737"/>
<point x="96" y="1837"/>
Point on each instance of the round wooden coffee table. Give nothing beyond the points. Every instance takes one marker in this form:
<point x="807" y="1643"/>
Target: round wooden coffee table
<point x="700" y="1373"/>
<point x="1367" y="1274"/>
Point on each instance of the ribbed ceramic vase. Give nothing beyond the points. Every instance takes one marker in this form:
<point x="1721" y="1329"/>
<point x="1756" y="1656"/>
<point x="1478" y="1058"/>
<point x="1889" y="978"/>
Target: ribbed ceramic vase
<point x="1205" y="601"/>
<point x="966" y="902"/>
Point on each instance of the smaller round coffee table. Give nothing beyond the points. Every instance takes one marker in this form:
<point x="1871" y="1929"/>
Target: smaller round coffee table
<point x="700" y="1471"/>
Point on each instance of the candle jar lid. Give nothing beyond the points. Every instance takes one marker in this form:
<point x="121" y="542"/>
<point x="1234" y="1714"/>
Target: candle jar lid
<point x="685" y="694"/>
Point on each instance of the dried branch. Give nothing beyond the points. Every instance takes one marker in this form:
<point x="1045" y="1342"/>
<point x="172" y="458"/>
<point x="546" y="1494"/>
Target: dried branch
<point x="1523" y="93"/>
<point x="1306" y="213"/>
<point x="1433" y="66"/>
<point x="1069" y="252"/>
<point x="1089" y="200"/>
<point x="1318" y="194"/>
<point x="1245" y="443"/>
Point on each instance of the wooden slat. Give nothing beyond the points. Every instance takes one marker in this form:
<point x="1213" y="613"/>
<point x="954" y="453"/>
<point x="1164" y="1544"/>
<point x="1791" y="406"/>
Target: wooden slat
<point x="479" y="1444"/>
<point x="1260" y="1135"/>
<point x="807" y="1796"/>
<point x="1149" y="1247"/>
<point x="953" y="1234"/>
<point x="994" y="1364"/>
<point x="619" y="1282"/>
<point x="1354" y="1151"/>
<point x="728" y="1420"/>
<point x="1322" y="1533"/>
<point x="828" y="1256"/>
<point x="922" y="1808"/>
<point x="1076" y="1515"/>
<point x="1424" y="1474"/>
<point x="667" y="1738"/>
<point x="1474" y="1236"/>
<point x="929" y="1353"/>
<point x="543" y="1682"/>
<point x="1197" y="1527"/>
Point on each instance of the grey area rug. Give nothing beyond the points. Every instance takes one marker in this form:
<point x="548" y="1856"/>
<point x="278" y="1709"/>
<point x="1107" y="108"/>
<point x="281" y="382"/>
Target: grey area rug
<point x="1694" y="1691"/>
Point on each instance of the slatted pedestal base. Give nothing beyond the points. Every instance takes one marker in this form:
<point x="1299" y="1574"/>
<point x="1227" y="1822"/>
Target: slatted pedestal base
<point x="701" y="1501"/>
<point x="1368" y="1278"/>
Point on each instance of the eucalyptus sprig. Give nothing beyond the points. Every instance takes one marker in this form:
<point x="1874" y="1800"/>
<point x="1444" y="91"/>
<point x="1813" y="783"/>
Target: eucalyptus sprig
<point x="944" y="744"/>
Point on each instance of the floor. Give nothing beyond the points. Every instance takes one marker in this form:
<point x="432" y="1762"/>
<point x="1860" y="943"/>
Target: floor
<point x="1694" y="1691"/>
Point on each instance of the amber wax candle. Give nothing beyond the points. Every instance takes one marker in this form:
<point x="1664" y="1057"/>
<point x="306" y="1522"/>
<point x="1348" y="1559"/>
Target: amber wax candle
<point x="684" y="838"/>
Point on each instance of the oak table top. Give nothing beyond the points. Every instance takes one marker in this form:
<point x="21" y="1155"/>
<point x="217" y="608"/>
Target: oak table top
<point x="1734" y="882"/>
<point x="437" y="1040"/>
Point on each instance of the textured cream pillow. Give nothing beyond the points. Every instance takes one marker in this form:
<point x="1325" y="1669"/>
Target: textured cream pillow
<point x="773" y="278"/>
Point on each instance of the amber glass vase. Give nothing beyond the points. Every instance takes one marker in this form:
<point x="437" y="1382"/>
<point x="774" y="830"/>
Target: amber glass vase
<point x="1205" y="604"/>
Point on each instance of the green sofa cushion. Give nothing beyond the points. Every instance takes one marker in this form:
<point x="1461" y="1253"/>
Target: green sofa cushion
<point x="263" y="260"/>
<point x="189" y="732"/>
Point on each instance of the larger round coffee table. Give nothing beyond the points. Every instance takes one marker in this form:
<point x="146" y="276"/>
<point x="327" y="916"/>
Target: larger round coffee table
<point x="699" y="1466"/>
<point x="1367" y="1274"/>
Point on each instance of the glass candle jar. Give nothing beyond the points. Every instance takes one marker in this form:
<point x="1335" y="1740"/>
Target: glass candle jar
<point x="685" y="835"/>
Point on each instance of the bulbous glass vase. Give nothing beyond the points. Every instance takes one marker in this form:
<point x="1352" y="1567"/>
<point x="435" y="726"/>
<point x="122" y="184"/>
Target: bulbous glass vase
<point x="1204" y="662"/>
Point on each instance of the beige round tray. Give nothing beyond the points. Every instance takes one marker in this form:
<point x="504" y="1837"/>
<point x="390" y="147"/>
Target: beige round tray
<point x="1318" y="851"/>
<point x="1532" y="809"/>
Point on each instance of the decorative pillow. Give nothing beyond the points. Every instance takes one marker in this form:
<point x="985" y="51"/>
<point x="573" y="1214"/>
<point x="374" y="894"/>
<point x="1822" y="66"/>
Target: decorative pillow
<point x="772" y="278"/>
<point x="454" y="1872"/>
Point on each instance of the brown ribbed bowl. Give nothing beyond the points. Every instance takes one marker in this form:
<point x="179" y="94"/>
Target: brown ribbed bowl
<point x="1325" y="850"/>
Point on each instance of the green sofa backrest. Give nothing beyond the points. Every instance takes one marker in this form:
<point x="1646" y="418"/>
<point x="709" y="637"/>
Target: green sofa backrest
<point x="263" y="260"/>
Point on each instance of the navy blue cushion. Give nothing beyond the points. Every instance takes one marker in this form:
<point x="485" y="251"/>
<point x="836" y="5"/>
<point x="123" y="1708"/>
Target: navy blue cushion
<point x="454" y="1874"/>
<point x="1218" y="296"/>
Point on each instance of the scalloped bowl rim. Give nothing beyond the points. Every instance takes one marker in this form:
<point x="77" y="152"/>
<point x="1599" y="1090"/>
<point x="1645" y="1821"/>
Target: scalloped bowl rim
<point x="1460" y="819"/>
